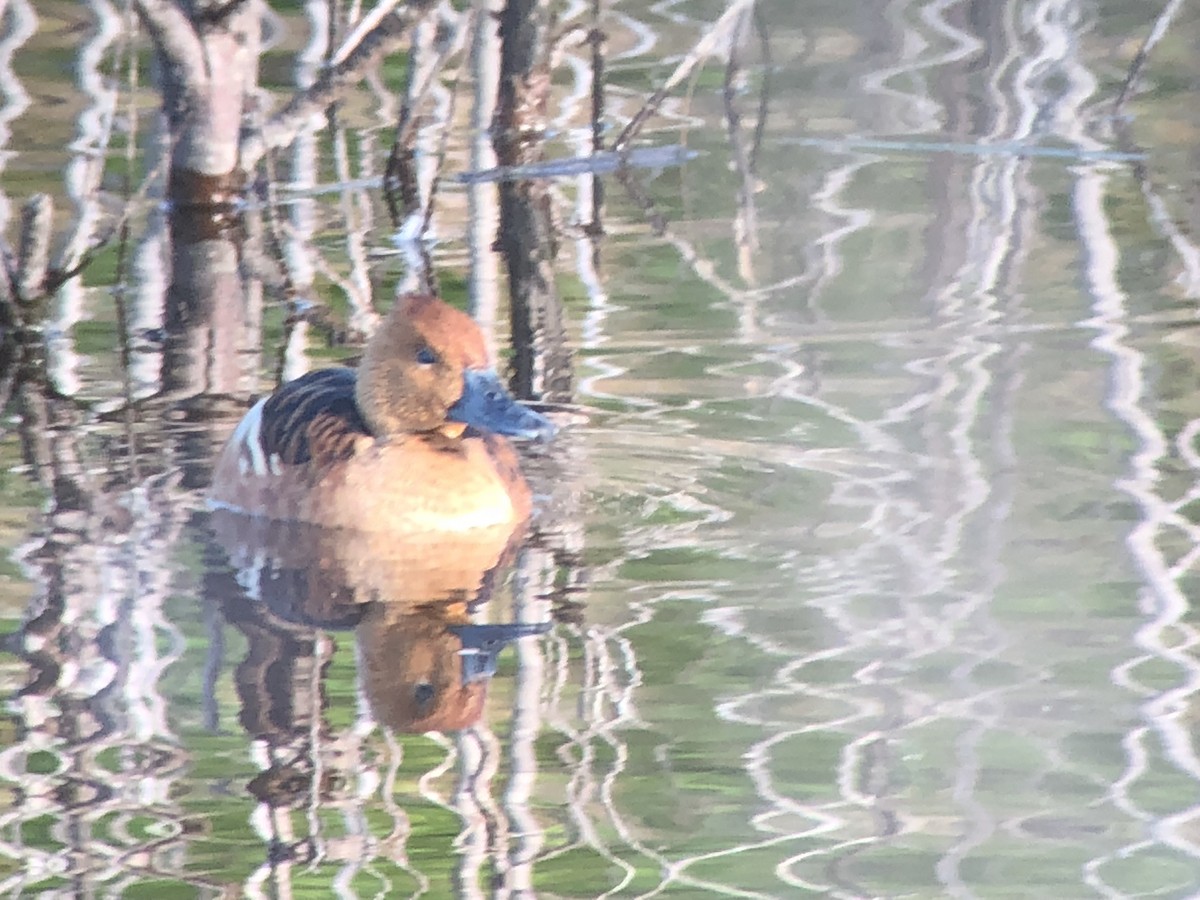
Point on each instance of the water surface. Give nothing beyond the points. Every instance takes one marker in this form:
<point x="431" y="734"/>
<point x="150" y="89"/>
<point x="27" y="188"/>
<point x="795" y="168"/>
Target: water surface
<point x="866" y="553"/>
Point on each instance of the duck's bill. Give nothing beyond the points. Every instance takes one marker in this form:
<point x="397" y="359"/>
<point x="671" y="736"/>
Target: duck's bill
<point x="487" y="405"/>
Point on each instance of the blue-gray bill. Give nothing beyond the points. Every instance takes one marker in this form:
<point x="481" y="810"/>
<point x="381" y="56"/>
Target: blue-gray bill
<point x="487" y="405"/>
<point x="481" y="644"/>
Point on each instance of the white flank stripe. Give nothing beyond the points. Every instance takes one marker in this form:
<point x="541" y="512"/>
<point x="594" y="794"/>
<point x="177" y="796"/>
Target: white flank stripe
<point x="249" y="434"/>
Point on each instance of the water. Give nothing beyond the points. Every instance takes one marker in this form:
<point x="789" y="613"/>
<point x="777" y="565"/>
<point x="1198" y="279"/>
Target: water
<point x="867" y="550"/>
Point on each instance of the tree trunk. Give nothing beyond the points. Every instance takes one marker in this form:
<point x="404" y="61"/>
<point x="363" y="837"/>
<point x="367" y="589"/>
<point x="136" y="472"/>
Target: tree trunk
<point x="208" y="65"/>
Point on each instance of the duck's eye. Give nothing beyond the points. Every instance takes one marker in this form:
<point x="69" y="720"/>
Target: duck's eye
<point x="426" y="357"/>
<point x="423" y="693"/>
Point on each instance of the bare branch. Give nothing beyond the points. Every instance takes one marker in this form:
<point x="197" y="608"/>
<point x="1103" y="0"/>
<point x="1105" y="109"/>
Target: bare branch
<point x="722" y="32"/>
<point x="344" y="75"/>
<point x="365" y="25"/>
<point x="174" y="36"/>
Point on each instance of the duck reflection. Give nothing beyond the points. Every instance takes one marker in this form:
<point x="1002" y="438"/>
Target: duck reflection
<point x="423" y="663"/>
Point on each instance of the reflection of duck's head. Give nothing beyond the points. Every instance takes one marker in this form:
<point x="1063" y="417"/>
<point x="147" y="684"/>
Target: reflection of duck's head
<point x="412" y="441"/>
<point x="425" y="670"/>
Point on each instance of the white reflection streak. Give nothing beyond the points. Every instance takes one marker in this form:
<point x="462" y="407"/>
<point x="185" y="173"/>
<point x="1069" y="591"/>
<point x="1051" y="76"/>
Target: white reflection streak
<point x="483" y="204"/>
<point x="356" y="218"/>
<point x="580" y="140"/>
<point x="322" y="653"/>
<point x="994" y="234"/>
<point x="82" y="183"/>
<point x="970" y="358"/>
<point x="150" y="269"/>
<point x="356" y="207"/>
<point x="962" y="382"/>
<point x="826" y="818"/>
<point x="1165" y="634"/>
<point x="94" y="128"/>
<point x="22" y="23"/>
<point x="647" y="37"/>
<point x="297" y="238"/>
<point x="523" y="768"/>
<point x="1189" y="253"/>
<point x="1164" y="603"/>
<point x="426" y="87"/>
<point x="478" y="761"/>
<point x="603" y="726"/>
<point x="425" y="784"/>
<point x="607" y="705"/>
<point x="581" y="788"/>
<point x="925" y="111"/>
<point x="396" y="842"/>
<point x="828" y="246"/>
<point x="149" y="585"/>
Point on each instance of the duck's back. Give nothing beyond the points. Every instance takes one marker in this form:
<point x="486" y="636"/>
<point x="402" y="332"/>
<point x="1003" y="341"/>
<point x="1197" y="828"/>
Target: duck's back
<point x="312" y="418"/>
<point x="305" y="453"/>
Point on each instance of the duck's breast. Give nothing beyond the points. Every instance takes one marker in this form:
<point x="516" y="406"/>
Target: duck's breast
<point x="427" y="482"/>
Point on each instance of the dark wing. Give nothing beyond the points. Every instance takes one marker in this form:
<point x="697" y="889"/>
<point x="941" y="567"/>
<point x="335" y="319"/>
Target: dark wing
<point x="313" y="417"/>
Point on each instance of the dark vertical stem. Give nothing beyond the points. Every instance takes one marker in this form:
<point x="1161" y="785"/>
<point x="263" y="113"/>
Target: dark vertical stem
<point x="597" y="39"/>
<point x="123" y="338"/>
<point x="524" y="82"/>
<point x="214" y="663"/>
<point x="764" y="98"/>
<point x="541" y="365"/>
<point x="400" y="189"/>
<point x="331" y="31"/>
<point x="1161" y="24"/>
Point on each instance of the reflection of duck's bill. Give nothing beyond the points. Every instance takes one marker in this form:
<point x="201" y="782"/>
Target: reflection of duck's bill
<point x="481" y="645"/>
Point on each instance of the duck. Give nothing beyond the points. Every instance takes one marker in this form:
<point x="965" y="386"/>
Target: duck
<point x="413" y="441"/>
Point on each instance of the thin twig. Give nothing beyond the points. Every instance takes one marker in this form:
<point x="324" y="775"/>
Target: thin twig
<point x="57" y="277"/>
<point x="745" y="223"/>
<point x="764" y="98"/>
<point x="1157" y="32"/>
<point x="597" y="39"/>
<point x="124" y="57"/>
<point x="444" y="140"/>
<point x="400" y="190"/>
<point x="705" y="47"/>
<point x="124" y="341"/>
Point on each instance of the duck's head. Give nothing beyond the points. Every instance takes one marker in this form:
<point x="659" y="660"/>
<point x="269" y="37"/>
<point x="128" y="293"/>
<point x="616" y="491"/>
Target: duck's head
<point x="426" y="369"/>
